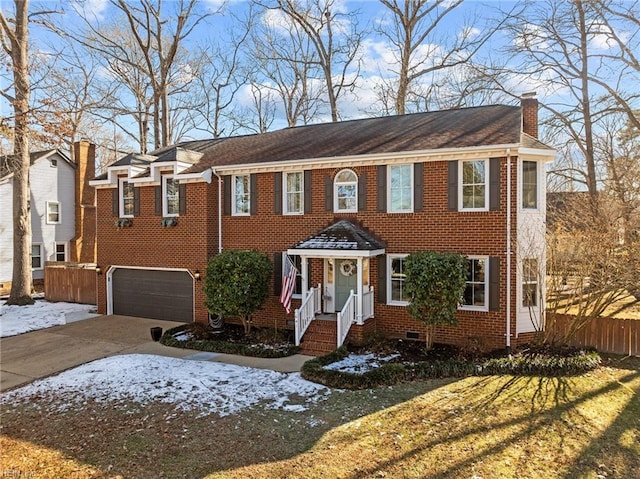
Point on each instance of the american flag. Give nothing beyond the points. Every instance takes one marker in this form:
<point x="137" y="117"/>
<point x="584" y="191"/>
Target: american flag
<point x="289" y="273"/>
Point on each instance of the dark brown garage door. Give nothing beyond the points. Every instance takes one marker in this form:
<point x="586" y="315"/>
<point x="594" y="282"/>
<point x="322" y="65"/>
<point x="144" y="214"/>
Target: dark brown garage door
<point x="153" y="294"/>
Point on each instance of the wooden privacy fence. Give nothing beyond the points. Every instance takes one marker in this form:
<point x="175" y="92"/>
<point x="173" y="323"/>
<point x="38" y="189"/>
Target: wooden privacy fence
<point x="609" y="335"/>
<point x="70" y="282"/>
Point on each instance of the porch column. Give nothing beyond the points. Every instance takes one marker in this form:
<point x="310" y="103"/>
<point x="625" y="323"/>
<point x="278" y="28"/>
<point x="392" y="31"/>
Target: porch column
<point x="359" y="304"/>
<point x="305" y="272"/>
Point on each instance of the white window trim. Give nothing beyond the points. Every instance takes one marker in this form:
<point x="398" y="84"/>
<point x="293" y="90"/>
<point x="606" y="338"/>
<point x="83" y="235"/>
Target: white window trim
<point x="121" y="182"/>
<point x="42" y="257"/>
<point x="165" y="200"/>
<point x="59" y="213"/>
<point x="522" y="282"/>
<point x="66" y="250"/>
<point x="285" y="194"/>
<point x="391" y="301"/>
<point x="484" y="308"/>
<point x="336" y="208"/>
<point x="234" y="210"/>
<point x="299" y="273"/>
<point x="389" y="199"/>
<point x="538" y="182"/>
<point x="460" y="185"/>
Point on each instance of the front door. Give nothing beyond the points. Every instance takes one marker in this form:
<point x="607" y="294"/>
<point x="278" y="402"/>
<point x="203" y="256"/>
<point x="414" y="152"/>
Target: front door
<point x="346" y="280"/>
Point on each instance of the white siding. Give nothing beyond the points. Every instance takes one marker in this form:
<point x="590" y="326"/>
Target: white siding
<point x="6" y="230"/>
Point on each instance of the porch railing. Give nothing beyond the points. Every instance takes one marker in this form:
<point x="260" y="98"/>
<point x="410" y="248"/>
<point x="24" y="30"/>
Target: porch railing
<point x="311" y="304"/>
<point x="346" y="318"/>
<point x="367" y="304"/>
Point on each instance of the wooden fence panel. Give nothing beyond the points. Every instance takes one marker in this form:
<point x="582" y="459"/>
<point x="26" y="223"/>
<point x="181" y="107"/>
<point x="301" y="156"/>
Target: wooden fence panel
<point x="73" y="283"/>
<point x="609" y="335"/>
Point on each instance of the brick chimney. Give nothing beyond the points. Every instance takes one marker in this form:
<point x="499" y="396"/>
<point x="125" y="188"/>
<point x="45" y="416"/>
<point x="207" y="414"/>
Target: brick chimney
<point x="529" y="104"/>
<point x="83" y="246"/>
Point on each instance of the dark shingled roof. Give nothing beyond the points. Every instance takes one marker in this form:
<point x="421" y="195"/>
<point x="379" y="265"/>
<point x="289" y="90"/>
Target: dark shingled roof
<point x="6" y="163"/>
<point x="342" y="235"/>
<point x="465" y="127"/>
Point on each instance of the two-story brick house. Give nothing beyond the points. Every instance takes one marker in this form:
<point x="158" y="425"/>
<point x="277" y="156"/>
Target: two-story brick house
<point x="347" y="202"/>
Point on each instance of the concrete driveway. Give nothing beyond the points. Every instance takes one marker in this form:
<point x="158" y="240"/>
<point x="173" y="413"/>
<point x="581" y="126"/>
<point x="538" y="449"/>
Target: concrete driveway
<point x="39" y="354"/>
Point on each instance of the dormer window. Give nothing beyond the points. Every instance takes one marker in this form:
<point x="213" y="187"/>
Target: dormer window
<point x="127" y="198"/>
<point x="171" y="196"/>
<point x="345" y="187"/>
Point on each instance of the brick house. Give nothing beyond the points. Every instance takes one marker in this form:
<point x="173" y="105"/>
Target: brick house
<point x="347" y="202"/>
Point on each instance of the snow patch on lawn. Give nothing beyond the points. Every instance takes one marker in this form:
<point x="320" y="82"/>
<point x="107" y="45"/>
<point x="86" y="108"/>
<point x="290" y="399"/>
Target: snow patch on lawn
<point x="360" y="363"/>
<point x="202" y="386"/>
<point x="42" y="314"/>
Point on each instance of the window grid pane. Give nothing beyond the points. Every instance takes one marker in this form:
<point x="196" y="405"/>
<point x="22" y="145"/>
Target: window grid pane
<point x="530" y="282"/>
<point x="242" y="194"/>
<point x="474" y="294"/>
<point x="397" y="280"/>
<point x="294" y="192"/>
<point x="346" y="191"/>
<point x="127" y="198"/>
<point x="61" y="252"/>
<point x="53" y="214"/>
<point x="529" y="184"/>
<point x="36" y="256"/>
<point x="401" y="188"/>
<point x="473" y="184"/>
<point x="172" y="196"/>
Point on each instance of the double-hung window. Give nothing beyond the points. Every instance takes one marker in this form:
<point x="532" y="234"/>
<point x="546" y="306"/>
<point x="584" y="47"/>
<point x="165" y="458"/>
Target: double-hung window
<point x="36" y="256"/>
<point x="396" y="278"/>
<point x="476" y="293"/>
<point x="241" y="195"/>
<point x="529" y="184"/>
<point x="61" y="252"/>
<point x="474" y="185"/>
<point x="529" y="282"/>
<point x="293" y="193"/>
<point x="170" y="196"/>
<point x="346" y="192"/>
<point x="400" y="192"/>
<point x="127" y="199"/>
<point x="297" y="262"/>
<point x="53" y="213"/>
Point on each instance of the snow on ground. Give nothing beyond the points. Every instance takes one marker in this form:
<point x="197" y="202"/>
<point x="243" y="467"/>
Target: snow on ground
<point x="202" y="386"/>
<point x="360" y="363"/>
<point x="42" y="314"/>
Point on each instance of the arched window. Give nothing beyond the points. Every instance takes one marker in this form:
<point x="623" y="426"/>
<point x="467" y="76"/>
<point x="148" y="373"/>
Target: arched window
<point x="345" y="192"/>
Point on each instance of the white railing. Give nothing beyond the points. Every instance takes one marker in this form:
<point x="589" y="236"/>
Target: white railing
<point x="311" y="304"/>
<point x="367" y="304"/>
<point x="346" y="318"/>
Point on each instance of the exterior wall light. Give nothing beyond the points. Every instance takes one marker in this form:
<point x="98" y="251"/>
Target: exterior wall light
<point x="98" y="270"/>
<point x="197" y="276"/>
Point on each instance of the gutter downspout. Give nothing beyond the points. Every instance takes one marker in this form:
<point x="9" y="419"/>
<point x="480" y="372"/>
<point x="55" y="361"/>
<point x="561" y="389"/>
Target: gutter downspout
<point x="508" y="332"/>
<point x="219" y="210"/>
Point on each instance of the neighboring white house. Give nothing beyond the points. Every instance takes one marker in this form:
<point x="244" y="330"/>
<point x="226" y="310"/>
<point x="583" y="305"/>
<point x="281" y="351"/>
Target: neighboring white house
<point x="52" y="177"/>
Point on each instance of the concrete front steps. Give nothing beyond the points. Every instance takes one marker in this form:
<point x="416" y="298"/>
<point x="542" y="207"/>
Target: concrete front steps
<point x="320" y="337"/>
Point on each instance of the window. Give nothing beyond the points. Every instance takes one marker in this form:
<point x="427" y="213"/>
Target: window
<point x="396" y="279"/>
<point x="474" y="185"/>
<point x="400" y="189"/>
<point x="53" y="212"/>
<point x="241" y="195"/>
<point x="170" y="196"/>
<point x="53" y="163"/>
<point x="61" y="252"/>
<point x="476" y="292"/>
<point x="36" y="256"/>
<point x="529" y="184"/>
<point x="294" y="193"/>
<point x="346" y="192"/>
<point x="529" y="282"/>
<point x="297" y="262"/>
<point x="127" y="199"/>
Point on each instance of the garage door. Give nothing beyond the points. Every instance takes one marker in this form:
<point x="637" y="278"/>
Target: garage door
<point x="153" y="294"/>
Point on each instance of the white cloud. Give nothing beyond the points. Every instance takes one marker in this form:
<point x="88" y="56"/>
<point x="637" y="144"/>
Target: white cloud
<point x="90" y="8"/>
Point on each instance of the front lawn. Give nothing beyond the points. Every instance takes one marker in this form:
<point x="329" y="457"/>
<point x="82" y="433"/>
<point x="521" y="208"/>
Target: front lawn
<point x="584" y="426"/>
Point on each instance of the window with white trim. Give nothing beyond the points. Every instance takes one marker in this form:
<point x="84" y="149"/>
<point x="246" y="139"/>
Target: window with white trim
<point x="127" y="198"/>
<point x="36" y="256"/>
<point x="345" y="188"/>
<point x="473" y="184"/>
<point x="53" y="213"/>
<point x="297" y="262"/>
<point x="529" y="282"/>
<point x="61" y="252"/>
<point x="529" y="184"/>
<point x="476" y="293"/>
<point x="170" y="196"/>
<point x="396" y="278"/>
<point x="293" y="188"/>
<point x="241" y="195"/>
<point x="400" y="192"/>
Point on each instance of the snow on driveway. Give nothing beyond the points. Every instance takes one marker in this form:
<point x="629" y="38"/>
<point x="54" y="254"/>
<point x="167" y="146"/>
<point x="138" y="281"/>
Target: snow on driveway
<point x="42" y="314"/>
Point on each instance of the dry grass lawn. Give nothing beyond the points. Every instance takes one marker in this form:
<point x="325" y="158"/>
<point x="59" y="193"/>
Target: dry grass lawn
<point x="491" y="427"/>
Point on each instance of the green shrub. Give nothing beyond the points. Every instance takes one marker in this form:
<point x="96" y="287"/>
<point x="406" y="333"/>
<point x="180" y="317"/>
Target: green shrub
<point x="542" y="365"/>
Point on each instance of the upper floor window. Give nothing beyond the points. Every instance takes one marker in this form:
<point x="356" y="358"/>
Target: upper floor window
<point x="396" y="280"/>
<point x="61" y="252"/>
<point x="170" y="196"/>
<point x="241" y="195"/>
<point x="53" y="212"/>
<point x="529" y="282"/>
<point x="293" y="193"/>
<point x="127" y="198"/>
<point x="529" y="184"/>
<point x="476" y="293"/>
<point x="345" y="188"/>
<point x="36" y="256"/>
<point x="474" y="185"/>
<point x="400" y="188"/>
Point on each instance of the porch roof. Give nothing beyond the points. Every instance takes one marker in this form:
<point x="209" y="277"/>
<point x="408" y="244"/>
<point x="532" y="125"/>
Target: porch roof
<point x="342" y="238"/>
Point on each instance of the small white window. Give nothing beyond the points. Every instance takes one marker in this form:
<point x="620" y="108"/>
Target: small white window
<point x="396" y="278"/>
<point x="36" y="256"/>
<point x="127" y="198"/>
<point x="530" y="282"/>
<point x="476" y="293"/>
<point x="400" y="192"/>
<point x="170" y="196"/>
<point x="293" y="193"/>
<point x="53" y="213"/>
<point x="345" y="188"/>
<point x="473" y="185"/>
<point x="241" y="195"/>
<point x="529" y="184"/>
<point x="61" y="252"/>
